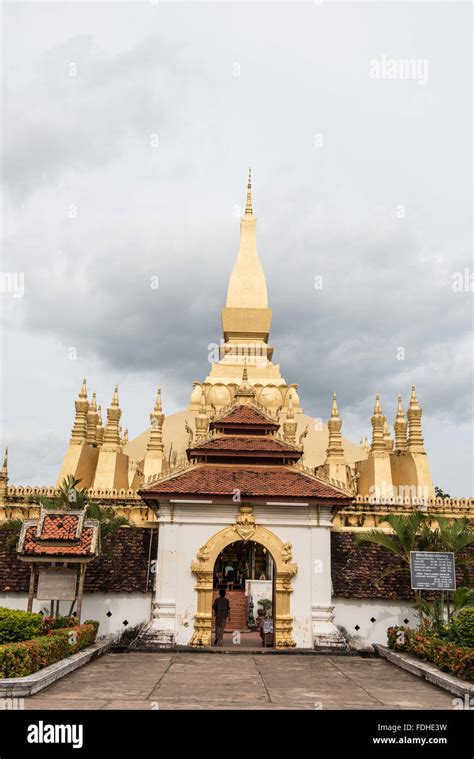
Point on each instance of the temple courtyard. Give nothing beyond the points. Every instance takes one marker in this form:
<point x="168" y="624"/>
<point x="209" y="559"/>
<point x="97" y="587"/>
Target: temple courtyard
<point x="231" y="680"/>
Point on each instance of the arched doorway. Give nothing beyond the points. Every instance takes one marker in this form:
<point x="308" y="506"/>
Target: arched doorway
<point x="245" y="529"/>
<point x="244" y="572"/>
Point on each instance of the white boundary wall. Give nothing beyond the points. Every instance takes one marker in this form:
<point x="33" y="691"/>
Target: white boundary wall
<point x="134" y="608"/>
<point x="352" y="612"/>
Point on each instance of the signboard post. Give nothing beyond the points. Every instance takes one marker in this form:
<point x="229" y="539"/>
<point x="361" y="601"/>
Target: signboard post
<point x="432" y="570"/>
<point x="56" y="584"/>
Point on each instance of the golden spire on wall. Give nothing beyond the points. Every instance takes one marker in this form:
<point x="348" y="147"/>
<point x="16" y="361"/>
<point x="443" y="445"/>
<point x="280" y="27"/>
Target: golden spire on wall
<point x="400" y="427"/>
<point x="248" y="205"/>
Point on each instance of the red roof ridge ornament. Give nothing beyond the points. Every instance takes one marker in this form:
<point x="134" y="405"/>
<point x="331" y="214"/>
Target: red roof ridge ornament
<point x="245" y="392"/>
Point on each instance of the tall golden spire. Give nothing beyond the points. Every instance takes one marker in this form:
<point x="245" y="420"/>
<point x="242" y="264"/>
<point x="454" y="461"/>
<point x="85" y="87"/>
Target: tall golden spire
<point x="112" y="440"/>
<point x="248" y="205"/>
<point x="154" y="456"/>
<point x="79" y="430"/>
<point x="83" y="390"/>
<point x="247" y="286"/>
<point x="245" y="392"/>
<point x="378" y="424"/>
<point x="115" y="398"/>
<point x="334" y="450"/>
<point x="415" y="438"/>
<point x="92" y="421"/>
<point x="400" y="427"/>
<point x="4" y="477"/>
<point x="99" y="429"/>
<point x="158" y="407"/>
<point x="202" y="419"/>
<point x="289" y="425"/>
<point x="155" y="441"/>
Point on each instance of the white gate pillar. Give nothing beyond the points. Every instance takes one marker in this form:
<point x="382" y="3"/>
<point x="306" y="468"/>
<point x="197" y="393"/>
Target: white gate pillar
<point x="325" y="633"/>
<point x="160" y="631"/>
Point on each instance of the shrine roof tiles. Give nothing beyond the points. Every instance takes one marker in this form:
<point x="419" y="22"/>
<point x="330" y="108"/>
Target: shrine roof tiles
<point x="253" y="481"/>
<point x="251" y="444"/>
<point x="245" y="415"/>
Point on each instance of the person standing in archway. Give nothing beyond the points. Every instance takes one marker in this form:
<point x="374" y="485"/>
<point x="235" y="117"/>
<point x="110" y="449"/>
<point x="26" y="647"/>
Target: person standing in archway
<point x="221" y="608"/>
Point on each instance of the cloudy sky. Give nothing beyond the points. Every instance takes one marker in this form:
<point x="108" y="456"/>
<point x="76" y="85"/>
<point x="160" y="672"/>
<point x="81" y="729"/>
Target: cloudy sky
<point x="127" y="131"/>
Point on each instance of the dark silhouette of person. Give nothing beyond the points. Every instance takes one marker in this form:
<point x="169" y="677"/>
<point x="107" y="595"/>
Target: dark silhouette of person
<point x="221" y="608"/>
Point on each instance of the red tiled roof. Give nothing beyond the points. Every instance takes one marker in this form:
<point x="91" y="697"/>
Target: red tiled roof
<point x="266" y="481"/>
<point x="59" y="527"/>
<point x="32" y="546"/>
<point x="250" y="443"/>
<point x="245" y="415"/>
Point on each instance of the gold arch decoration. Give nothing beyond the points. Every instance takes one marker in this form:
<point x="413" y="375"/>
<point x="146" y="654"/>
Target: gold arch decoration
<point x="245" y="528"/>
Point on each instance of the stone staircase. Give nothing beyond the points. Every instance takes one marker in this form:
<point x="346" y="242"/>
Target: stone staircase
<point x="238" y="609"/>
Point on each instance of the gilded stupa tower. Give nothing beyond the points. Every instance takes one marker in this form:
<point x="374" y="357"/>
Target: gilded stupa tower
<point x="246" y="320"/>
<point x="243" y="371"/>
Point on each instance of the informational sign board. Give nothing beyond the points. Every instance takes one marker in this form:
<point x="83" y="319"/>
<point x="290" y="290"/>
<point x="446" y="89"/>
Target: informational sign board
<point x="56" y="585"/>
<point x="432" y="570"/>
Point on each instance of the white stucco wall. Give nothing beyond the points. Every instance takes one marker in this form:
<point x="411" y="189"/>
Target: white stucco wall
<point x="186" y="528"/>
<point x="131" y="607"/>
<point x="352" y="612"/>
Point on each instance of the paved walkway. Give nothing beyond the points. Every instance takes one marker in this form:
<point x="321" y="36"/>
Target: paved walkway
<point x="239" y="681"/>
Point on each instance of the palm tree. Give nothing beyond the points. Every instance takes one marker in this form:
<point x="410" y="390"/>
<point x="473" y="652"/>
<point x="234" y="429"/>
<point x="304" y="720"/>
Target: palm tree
<point x="12" y="527"/>
<point x="414" y="532"/>
<point x="454" y="536"/>
<point x="404" y="540"/>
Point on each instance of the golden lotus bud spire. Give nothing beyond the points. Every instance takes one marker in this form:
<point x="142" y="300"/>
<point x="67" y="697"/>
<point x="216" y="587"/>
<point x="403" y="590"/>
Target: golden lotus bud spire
<point x="4" y="478"/>
<point x="79" y="430"/>
<point x="158" y="405"/>
<point x="92" y="416"/>
<point x="289" y="425"/>
<point x="112" y="435"/>
<point x="83" y="390"/>
<point x="290" y="414"/>
<point x="334" y="451"/>
<point x="248" y="205"/>
<point x="415" y="438"/>
<point x="378" y="425"/>
<point x="5" y="462"/>
<point x="377" y="407"/>
<point x="155" y="441"/>
<point x="400" y="427"/>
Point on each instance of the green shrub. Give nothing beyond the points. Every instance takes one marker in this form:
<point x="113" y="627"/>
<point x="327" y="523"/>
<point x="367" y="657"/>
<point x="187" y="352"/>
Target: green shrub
<point x="18" y="625"/>
<point x="448" y="656"/>
<point x="58" y="623"/>
<point x="21" y="659"/>
<point x="463" y="625"/>
<point x="94" y="623"/>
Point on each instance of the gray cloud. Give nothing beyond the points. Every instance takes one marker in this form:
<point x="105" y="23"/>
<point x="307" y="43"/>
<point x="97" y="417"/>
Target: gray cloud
<point x="171" y="211"/>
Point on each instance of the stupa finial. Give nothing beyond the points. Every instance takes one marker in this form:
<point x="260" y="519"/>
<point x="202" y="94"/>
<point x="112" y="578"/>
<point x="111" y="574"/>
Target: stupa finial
<point x="248" y="205"/>
<point x="115" y="398"/>
<point x="83" y="390"/>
